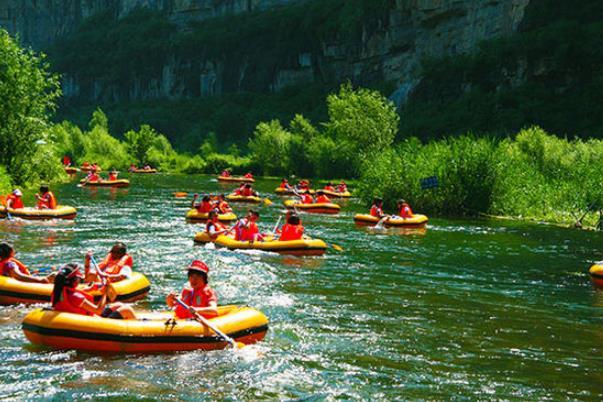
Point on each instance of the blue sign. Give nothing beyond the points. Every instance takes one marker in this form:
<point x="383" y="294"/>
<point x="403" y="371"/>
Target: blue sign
<point x="429" y="182"/>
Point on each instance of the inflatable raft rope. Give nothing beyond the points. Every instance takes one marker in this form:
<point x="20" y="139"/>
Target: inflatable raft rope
<point x="417" y="220"/>
<point x="292" y="247"/>
<point x="319" y="208"/>
<point x="195" y="216"/>
<point x="241" y="198"/>
<point x="13" y="291"/>
<point x="34" y="214"/>
<point x="149" y="333"/>
<point x="235" y="179"/>
<point x="106" y="183"/>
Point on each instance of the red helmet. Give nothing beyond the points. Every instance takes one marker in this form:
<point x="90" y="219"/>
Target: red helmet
<point x="198" y="266"/>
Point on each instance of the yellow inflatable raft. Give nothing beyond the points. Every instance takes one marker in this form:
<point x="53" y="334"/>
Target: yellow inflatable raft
<point x="235" y="179"/>
<point x="195" y="216"/>
<point x="241" y="198"/>
<point x="149" y="333"/>
<point x="285" y="191"/>
<point x="106" y="183"/>
<point x="292" y="247"/>
<point x="34" y="214"/>
<point x="71" y="170"/>
<point x="335" y="194"/>
<point x="320" y="208"/>
<point x="203" y="238"/>
<point x="143" y="171"/>
<point x="13" y="291"/>
<point x="416" y="221"/>
<point x="596" y="275"/>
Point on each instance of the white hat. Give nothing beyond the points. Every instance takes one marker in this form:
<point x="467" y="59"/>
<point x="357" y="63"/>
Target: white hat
<point x="17" y="192"/>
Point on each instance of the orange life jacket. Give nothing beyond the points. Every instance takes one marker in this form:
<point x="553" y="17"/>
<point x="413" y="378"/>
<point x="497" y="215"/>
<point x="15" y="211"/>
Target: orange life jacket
<point x="322" y="199"/>
<point x="48" y="201"/>
<point x="376" y="211"/>
<point x="291" y="232"/>
<point x="113" y="266"/>
<point x="17" y="202"/>
<point x="66" y="305"/>
<point x="4" y="271"/>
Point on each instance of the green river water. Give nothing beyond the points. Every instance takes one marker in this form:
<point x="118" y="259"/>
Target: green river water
<point x="466" y="309"/>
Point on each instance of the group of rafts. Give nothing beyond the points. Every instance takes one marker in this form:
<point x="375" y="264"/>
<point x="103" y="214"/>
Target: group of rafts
<point x="302" y="245"/>
<point x="149" y="332"/>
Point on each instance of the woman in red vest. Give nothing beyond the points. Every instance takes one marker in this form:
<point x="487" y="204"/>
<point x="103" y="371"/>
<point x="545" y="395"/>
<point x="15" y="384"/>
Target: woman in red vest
<point x="46" y="199"/>
<point x="201" y="298"/>
<point x="14" y="201"/>
<point x="13" y="268"/>
<point x="293" y="229"/>
<point x="68" y="298"/>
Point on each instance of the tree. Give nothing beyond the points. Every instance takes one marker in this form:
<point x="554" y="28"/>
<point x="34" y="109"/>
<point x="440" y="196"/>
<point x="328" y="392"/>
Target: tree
<point x="28" y="92"/>
<point x="270" y="147"/>
<point x="99" y="119"/>
<point x="362" y="122"/>
<point x="140" y="142"/>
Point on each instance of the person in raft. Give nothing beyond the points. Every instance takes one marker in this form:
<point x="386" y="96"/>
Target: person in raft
<point x="303" y="185"/>
<point x="86" y="165"/>
<point x="205" y="206"/>
<point x="377" y="208"/>
<point x="46" y="199"/>
<point x="321" y="198"/>
<point x="222" y="206"/>
<point x="14" y="200"/>
<point x="404" y="209"/>
<point x="116" y="266"/>
<point x="214" y="227"/>
<point x="68" y="298"/>
<point x="132" y="167"/>
<point x="92" y="177"/>
<point x="248" y="175"/>
<point x="292" y="230"/>
<point x="248" y="191"/>
<point x="225" y="173"/>
<point x="342" y="187"/>
<point x="329" y="187"/>
<point x="285" y="184"/>
<point x="113" y="175"/>
<point x="246" y="229"/>
<point x="305" y="198"/>
<point x="95" y="167"/>
<point x="13" y="268"/>
<point x="200" y="297"/>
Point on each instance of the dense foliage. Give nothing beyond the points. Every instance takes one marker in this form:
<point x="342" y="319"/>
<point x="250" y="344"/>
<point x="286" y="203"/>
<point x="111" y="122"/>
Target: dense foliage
<point x="27" y="95"/>
<point x="534" y="175"/>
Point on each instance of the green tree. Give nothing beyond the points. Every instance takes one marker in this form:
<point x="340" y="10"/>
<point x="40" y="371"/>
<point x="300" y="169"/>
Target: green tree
<point x="140" y="142"/>
<point x="99" y="119"/>
<point x="270" y="147"/>
<point x="362" y="122"/>
<point x="28" y="92"/>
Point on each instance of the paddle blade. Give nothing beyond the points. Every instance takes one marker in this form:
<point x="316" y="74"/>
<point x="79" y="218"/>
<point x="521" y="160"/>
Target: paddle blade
<point x="111" y="292"/>
<point x="336" y="247"/>
<point x="267" y="201"/>
<point x="240" y="345"/>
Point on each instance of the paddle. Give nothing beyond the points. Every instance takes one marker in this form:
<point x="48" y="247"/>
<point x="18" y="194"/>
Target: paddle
<point x="111" y="293"/>
<point x="208" y="324"/>
<point x="379" y="225"/>
<point x="277" y="223"/>
<point x="3" y="202"/>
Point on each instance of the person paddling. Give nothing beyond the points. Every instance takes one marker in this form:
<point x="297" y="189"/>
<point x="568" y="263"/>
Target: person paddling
<point x="225" y="173"/>
<point x="205" y="206"/>
<point x="246" y="229"/>
<point x="377" y="208"/>
<point x="113" y="175"/>
<point x="342" y="187"/>
<point x="116" y="266"/>
<point x="248" y="191"/>
<point x="321" y="198"/>
<point x="329" y="187"/>
<point x="68" y="298"/>
<point x="199" y="296"/>
<point x="222" y="206"/>
<point x="14" y="200"/>
<point x="13" y="268"/>
<point x="214" y="227"/>
<point x="46" y="199"/>
<point x="404" y="209"/>
<point x="284" y="184"/>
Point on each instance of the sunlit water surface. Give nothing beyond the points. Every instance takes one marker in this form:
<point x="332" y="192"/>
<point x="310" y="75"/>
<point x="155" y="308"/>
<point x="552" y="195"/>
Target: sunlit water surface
<point x="463" y="309"/>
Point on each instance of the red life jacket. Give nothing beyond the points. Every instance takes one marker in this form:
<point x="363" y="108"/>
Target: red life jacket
<point x="200" y="297"/>
<point x="248" y="234"/>
<point x="376" y="211"/>
<point x="330" y="188"/>
<point x="247" y="192"/>
<point x="248" y="176"/>
<point x="405" y="211"/>
<point x="17" y="202"/>
<point x="4" y="267"/>
<point x="307" y="199"/>
<point x="112" y="176"/>
<point x="66" y="303"/>
<point x="48" y="201"/>
<point x="224" y="207"/>
<point x="291" y="232"/>
<point x="322" y="199"/>
<point x="113" y="266"/>
<point x="284" y="185"/>
<point x="204" y="207"/>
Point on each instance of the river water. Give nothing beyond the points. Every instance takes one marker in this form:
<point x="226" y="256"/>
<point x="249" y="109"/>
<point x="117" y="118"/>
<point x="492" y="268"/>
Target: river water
<point x="470" y="309"/>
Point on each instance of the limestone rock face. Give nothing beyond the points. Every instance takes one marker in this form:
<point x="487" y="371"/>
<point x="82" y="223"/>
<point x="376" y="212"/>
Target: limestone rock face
<point x="390" y="49"/>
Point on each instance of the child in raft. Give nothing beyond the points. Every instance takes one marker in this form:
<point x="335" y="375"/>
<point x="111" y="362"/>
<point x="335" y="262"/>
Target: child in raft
<point x="222" y="206"/>
<point x="284" y="184"/>
<point x="404" y="210"/>
<point x="14" y="200"/>
<point x="13" y="268"/>
<point x="342" y="187"/>
<point x="293" y="229"/>
<point x="116" y="266"/>
<point x="68" y="298"/>
<point x="248" y="175"/>
<point x="246" y="229"/>
<point x="225" y="173"/>
<point x="113" y="175"/>
<point x="329" y="187"/>
<point x="248" y="191"/>
<point x="214" y="227"/>
<point x="200" y="297"/>
<point x="92" y="177"/>
<point x="377" y="208"/>
<point x="46" y="199"/>
<point x="321" y="198"/>
<point x="205" y="206"/>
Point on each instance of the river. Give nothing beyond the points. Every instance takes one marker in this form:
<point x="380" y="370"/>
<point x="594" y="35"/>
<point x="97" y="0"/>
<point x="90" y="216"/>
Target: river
<point x="473" y="309"/>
